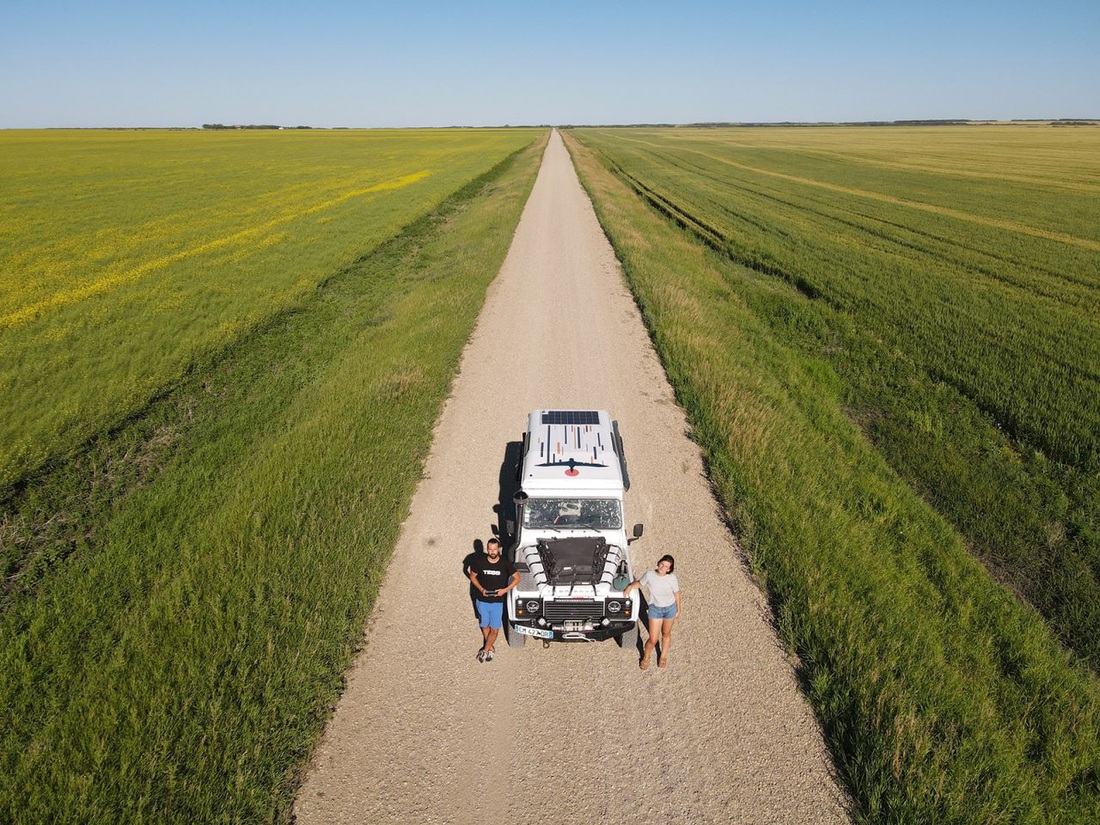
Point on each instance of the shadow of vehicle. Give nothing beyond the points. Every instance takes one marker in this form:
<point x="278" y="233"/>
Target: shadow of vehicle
<point x="508" y="486"/>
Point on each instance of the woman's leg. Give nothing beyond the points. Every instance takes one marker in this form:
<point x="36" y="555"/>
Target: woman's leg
<point x="654" y="632"/>
<point x="666" y="641"/>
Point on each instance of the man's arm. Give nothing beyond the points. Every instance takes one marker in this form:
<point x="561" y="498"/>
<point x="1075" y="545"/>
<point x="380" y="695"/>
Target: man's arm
<point x="476" y="583"/>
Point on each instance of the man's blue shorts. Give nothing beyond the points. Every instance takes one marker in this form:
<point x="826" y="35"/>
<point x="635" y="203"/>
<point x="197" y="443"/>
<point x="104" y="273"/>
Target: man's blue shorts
<point x="491" y="614"/>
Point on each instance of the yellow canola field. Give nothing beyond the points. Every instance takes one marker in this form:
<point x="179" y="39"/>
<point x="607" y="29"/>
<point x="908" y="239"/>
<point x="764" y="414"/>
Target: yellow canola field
<point x="254" y="237"/>
<point x="125" y="255"/>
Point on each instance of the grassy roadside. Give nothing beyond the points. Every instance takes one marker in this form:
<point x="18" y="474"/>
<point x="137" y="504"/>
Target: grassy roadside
<point x="181" y="664"/>
<point x="942" y="698"/>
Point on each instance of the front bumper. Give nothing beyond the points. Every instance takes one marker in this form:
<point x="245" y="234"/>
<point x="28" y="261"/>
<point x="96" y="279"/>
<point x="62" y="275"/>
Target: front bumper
<point x="572" y="620"/>
<point x="574" y="631"/>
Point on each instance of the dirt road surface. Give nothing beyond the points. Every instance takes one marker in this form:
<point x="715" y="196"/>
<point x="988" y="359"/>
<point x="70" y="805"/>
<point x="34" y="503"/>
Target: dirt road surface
<point x="573" y="732"/>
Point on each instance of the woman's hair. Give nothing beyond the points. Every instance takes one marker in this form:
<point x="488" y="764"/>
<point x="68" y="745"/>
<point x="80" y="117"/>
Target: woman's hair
<point x="671" y="562"/>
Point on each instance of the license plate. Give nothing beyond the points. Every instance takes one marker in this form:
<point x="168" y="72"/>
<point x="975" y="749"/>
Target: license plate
<point x="537" y="632"/>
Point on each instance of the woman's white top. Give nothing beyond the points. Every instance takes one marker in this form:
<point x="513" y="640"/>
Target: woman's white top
<point x="662" y="589"/>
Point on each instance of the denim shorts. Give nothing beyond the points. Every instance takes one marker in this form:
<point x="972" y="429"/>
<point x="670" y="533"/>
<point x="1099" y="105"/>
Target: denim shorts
<point x="662" y="612"/>
<point x="491" y="614"/>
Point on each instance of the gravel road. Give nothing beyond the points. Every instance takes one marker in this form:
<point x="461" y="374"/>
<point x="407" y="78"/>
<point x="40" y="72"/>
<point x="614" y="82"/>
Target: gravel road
<point x="573" y="732"/>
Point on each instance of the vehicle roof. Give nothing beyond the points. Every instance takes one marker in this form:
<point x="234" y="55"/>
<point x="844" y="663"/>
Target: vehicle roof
<point x="571" y="452"/>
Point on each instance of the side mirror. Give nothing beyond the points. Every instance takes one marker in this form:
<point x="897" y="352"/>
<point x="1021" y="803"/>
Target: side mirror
<point x="638" y="529"/>
<point x="520" y="497"/>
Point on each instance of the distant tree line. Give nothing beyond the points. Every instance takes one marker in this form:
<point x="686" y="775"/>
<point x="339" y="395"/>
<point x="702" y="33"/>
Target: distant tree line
<point x="251" y="126"/>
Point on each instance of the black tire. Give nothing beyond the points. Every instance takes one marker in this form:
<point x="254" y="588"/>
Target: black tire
<point x="515" y="638"/>
<point x="629" y="640"/>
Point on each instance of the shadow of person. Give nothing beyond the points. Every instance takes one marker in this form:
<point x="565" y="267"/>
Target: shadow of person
<point x="643" y="620"/>
<point x="467" y="564"/>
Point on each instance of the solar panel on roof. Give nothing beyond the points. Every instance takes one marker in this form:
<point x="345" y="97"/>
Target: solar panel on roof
<point x="570" y="417"/>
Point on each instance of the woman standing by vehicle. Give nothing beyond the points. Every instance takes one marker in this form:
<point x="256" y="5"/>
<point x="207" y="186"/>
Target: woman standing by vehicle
<point x="664" y="607"/>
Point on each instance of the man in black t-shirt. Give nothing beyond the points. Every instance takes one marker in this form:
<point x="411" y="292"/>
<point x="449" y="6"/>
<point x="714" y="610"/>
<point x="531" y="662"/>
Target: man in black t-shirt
<point x="492" y="576"/>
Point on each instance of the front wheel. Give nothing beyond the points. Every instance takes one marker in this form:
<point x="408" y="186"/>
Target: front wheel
<point x="515" y="638"/>
<point x="629" y="640"/>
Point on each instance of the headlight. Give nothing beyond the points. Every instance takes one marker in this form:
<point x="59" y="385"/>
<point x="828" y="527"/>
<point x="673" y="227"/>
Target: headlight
<point x="619" y="609"/>
<point x="528" y="607"/>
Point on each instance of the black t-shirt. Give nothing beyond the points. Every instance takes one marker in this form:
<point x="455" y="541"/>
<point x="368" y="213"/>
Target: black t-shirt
<point x="492" y="575"/>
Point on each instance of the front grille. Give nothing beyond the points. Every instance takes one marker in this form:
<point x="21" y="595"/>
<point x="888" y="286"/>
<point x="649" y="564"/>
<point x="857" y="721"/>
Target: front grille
<point x="574" y="610"/>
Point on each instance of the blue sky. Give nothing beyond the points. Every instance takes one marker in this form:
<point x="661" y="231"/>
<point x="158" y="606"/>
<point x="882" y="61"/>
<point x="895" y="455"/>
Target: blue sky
<point x="419" y="63"/>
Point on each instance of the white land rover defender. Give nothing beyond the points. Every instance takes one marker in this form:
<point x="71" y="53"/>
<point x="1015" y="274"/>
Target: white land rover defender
<point x="571" y="550"/>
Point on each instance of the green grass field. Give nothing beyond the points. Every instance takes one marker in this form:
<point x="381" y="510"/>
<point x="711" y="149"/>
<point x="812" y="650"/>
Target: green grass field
<point x="886" y="341"/>
<point x="124" y="256"/>
<point x="951" y="279"/>
<point x="204" y="551"/>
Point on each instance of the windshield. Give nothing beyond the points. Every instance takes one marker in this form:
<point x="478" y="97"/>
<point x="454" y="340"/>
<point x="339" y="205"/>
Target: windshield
<point x="573" y="513"/>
